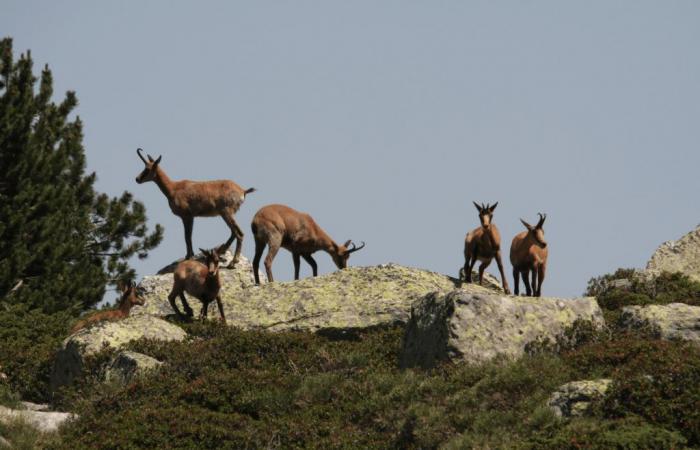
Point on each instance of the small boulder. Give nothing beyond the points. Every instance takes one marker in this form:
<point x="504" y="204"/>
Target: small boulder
<point x="682" y="255"/>
<point x="478" y="327"/>
<point x="43" y="421"/>
<point x="575" y="398"/>
<point x="70" y="359"/>
<point x="675" y="321"/>
<point x="128" y="365"/>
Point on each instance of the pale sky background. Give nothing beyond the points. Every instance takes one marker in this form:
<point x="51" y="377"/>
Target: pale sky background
<point x="385" y="119"/>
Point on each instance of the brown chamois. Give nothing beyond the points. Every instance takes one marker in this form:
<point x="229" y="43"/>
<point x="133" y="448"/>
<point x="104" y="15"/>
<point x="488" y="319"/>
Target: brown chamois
<point x="200" y="280"/>
<point x="190" y="199"/>
<point x="483" y="244"/>
<point x="128" y="298"/>
<point x="281" y="226"/>
<point x="528" y="253"/>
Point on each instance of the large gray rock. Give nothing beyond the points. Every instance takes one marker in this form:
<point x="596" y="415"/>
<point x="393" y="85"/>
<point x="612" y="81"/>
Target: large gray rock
<point x="349" y="299"/>
<point x="575" y="398"/>
<point x="478" y="327"/>
<point x="675" y="321"/>
<point x="70" y="359"/>
<point x="128" y="365"/>
<point x="43" y="421"/>
<point x="682" y="255"/>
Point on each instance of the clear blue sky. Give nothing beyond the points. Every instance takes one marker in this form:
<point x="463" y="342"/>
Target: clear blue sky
<point x="384" y="120"/>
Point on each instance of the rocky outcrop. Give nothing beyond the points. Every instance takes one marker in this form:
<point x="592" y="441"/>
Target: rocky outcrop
<point x="478" y="327"/>
<point x="44" y="421"/>
<point x="575" y="398"/>
<point x="69" y="361"/>
<point x="129" y="365"/>
<point x="675" y="321"/>
<point x="682" y="255"/>
<point x="353" y="298"/>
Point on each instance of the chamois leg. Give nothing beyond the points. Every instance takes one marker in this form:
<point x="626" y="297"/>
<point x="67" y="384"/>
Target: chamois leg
<point x="259" y="248"/>
<point x="297" y="263"/>
<point x="186" y="305"/>
<point x="312" y="263"/>
<point x="205" y="311"/>
<point x="274" y="246"/>
<point x="236" y="233"/>
<point x="541" y="270"/>
<point x="526" y="281"/>
<point x="483" y="267"/>
<point x="221" y="308"/>
<point x="468" y="275"/>
<point x="465" y="269"/>
<point x="534" y="282"/>
<point x="188" y="222"/>
<point x="516" y="282"/>
<point x="171" y="298"/>
<point x="504" y="281"/>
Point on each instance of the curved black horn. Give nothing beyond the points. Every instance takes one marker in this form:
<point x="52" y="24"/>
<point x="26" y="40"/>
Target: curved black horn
<point x="542" y="219"/>
<point x="356" y="248"/>
<point x="138" y="152"/>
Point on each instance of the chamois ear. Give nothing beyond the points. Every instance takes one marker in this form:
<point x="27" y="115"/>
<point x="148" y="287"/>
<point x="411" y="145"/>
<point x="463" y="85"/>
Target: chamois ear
<point x="527" y="225"/>
<point x="122" y="286"/>
<point x="493" y="207"/>
<point x="157" y="161"/>
<point x="204" y="252"/>
<point x="478" y="208"/>
<point x="347" y="243"/>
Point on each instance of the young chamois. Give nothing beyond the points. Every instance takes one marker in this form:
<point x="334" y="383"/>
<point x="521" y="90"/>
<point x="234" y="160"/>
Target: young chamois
<point x="200" y="280"/>
<point x="281" y="226"/>
<point x="190" y="199"/>
<point x="483" y="244"/>
<point x="128" y="298"/>
<point x="528" y="253"/>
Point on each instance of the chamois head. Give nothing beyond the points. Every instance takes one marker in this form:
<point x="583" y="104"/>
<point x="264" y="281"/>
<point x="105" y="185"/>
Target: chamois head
<point x="537" y="232"/>
<point x="149" y="172"/>
<point x="342" y="253"/>
<point x="211" y="260"/>
<point x="485" y="214"/>
<point x="129" y="295"/>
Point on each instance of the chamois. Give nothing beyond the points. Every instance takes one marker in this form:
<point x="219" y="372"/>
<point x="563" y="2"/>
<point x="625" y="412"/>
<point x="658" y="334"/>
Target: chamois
<point x="281" y="226"/>
<point x="128" y="298"/>
<point x="483" y="244"/>
<point x="200" y="280"/>
<point x="190" y="199"/>
<point x="528" y="253"/>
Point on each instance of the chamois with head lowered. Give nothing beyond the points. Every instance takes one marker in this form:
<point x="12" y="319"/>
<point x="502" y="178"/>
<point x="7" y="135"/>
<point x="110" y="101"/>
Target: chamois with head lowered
<point x="190" y="199"/>
<point x="281" y="226"/>
<point x="201" y="280"/>
<point x="129" y="297"/>
<point x="483" y="244"/>
<point x="528" y="254"/>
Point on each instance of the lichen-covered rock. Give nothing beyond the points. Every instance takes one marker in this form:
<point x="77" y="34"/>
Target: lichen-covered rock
<point x="675" y="321"/>
<point x="478" y="327"/>
<point x="575" y="398"/>
<point x="69" y="360"/>
<point x="353" y="298"/>
<point x="682" y="255"/>
<point x="44" y="421"/>
<point x="127" y="365"/>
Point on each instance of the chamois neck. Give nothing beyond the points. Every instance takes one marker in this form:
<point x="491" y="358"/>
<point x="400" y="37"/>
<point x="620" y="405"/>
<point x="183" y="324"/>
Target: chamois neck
<point x="164" y="182"/>
<point x="125" y="307"/>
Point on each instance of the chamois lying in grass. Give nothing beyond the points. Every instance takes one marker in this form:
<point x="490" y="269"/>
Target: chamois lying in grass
<point x="190" y="199"/>
<point x="281" y="226"/>
<point x="528" y="254"/>
<point x="200" y="280"/>
<point x="128" y="298"/>
<point x="483" y="244"/>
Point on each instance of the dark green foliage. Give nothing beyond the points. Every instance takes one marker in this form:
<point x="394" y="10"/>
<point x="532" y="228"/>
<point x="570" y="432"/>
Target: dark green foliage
<point x="60" y="241"/>
<point x="231" y="389"/>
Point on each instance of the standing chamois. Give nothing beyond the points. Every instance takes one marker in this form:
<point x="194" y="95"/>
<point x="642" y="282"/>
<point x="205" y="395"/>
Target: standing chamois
<point x="528" y="253"/>
<point x="200" y="280"/>
<point x="190" y="199"/>
<point x="128" y="298"/>
<point x="483" y="244"/>
<point x="281" y="226"/>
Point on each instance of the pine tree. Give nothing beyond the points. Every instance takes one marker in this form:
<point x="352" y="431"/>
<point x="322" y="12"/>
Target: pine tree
<point x="61" y="242"/>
